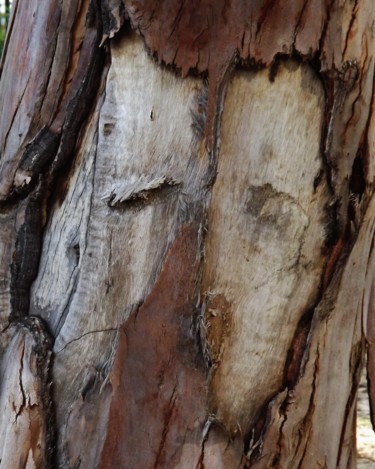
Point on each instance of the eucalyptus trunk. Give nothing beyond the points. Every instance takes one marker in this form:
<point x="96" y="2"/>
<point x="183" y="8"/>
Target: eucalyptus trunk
<point x="187" y="217"/>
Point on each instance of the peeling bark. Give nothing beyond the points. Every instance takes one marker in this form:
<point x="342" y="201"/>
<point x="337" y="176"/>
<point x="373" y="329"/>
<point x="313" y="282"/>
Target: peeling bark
<point x="27" y="427"/>
<point x="186" y="204"/>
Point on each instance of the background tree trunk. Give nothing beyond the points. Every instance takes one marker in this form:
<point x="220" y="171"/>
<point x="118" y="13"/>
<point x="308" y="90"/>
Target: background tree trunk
<point x="187" y="213"/>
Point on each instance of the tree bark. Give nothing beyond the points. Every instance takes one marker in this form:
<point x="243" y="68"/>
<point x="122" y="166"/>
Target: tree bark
<point x="187" y="212"/>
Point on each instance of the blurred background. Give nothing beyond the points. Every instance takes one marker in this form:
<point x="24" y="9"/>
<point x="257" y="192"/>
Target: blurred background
<point x="4" y="19"/>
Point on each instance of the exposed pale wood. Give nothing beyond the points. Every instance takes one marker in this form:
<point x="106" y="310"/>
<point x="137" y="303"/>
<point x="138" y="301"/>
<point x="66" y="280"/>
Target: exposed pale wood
<point x="108" y="252"/>
<point x="266" y="230"/>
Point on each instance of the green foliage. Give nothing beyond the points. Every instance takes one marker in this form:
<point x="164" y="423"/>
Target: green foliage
<point x="3" y="22"/>
<point x="2" y="38"/>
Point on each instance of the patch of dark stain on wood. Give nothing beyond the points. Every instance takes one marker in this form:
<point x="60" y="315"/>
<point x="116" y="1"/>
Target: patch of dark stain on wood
<point x="25" y="262"/>
<point x="107" y="128"/>
<point x="113" y="16"/>
<point x="41" y="151"/>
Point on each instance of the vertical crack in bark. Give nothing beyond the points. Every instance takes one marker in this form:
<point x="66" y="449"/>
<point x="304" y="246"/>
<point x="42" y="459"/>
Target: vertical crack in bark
<point x="294" y="362"/>
<point x="23" y="403"/>
<point x="76" y="44"/>
<point x="109" y="282"/>
<point x="176" y="19"/>
<point x="217" y="86"/>
<point x="360" y="77"/>
<point x="68" y="302"/>
<point x="327" y="128"/>
<point x="168" y="414"/>
<point x="299" y="22"/>
<point x="265" y="11"/>
<point x="324" y="30"/>
<point x="356" y="360"/>
<point x="333" y="258"/>
<point x="351" y="23"/>
<point x="310" y="409"/>
<point x="283" y="410"/>
<point x="205" y="435"/>
<point x="77" y="113"/>
<point x="337" y="85"/>
<point x="20" y="99"/>
<point x="369" y="340"/>
<point x="53" y="54"/>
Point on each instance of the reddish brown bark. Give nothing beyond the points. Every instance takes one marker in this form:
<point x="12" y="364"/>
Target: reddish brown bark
<point x="158" y="381"/>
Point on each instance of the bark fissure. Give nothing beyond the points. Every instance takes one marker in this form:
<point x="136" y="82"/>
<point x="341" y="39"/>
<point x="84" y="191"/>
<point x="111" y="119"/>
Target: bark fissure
<point x="352" y="20"/>
<point x="15" y="114"/>
<point x="299" y="22"/>
<point x="298" y="349"/>
<point x="265" y="11"/>
<point x="111" y="329"/>
<point x="283" y="410"/>
<point x="176" y="20"/>
<point x="306" y="423"/>
<point x="360" y="78"/>
<point x="23" y="402"/>
<point x="69" y="299"/>
<point x="205" y="436"/>
<point x="323" y="35"/>
<point x="357" y="358"/>
<point x="168" y="414"/>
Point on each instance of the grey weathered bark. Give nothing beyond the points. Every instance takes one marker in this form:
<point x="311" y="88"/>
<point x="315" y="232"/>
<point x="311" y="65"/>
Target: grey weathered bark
<point x="187" y="230"/>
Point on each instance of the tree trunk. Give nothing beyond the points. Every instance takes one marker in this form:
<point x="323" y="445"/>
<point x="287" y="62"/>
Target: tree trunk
<point x="187" y="213"/>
